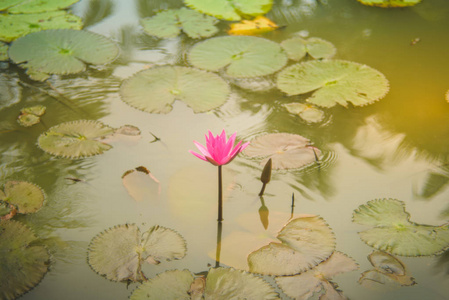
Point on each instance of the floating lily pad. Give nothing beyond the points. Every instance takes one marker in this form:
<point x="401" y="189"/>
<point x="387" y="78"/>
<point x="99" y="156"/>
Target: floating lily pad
<point x="334" y="82"/>
<point x="22" y="264"/>
<point x="26" y="196"/>
<point x="297" y="48"/>
<point x="306" y="242"/>
<point x="231" y="9"/>
<point x="4" y="51"/>
<point x="305" y="285"/>
<point x="62" y="51"/>
<point x="287" y="151"/>
<point x="390" y="3"/>
<point x="307" y="112"/>
<point x="169" y="23"/>
<point x="75" y="139"/>
<point x="154" y="90"/>
<point x="221" y="284"/>
<point x="30" y="116"/>
<point x="394" y="233"/>
<point x="15" y="26"/>
<point x="34" y="6"/>
<point x="118" y="253"/>
<point x="141" y="184"/>
<point x="241" y="56"/>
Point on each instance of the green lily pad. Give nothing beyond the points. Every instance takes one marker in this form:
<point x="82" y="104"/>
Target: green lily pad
<point x="221" y="284"/>
<point x="307" y="112"/>
<point x="75" y="139"/>
<point x="22" y="264"/>
<point x="26" y="196"/>
<point x="286" y="150"/>
<point x="15" y="26"/>
<point x="395" y="233"/>
<point x="334" y="82"/>
<point x="34" y="6"/>
<point x="4" y="51"/>
<point x="390" y="3"/>
<point x="306" y="242"/>
<point x="118" y="253"/>
<point x="297" y="48"/>
<point x="62" y="51"/>
<point x="231" y="10"/>
<point x="317" y="279"/>
<point x="31" y="115"/>
<point x="169" y="23"/>
<point x="241" y="56"/>
<point x="155" y="89"/>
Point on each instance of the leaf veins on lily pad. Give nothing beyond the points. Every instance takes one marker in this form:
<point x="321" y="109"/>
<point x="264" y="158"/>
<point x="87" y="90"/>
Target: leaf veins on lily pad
<point x="22" y="264"/>
<point x="75" y="139"/>
<point x="395" y="233"/>
<point x="119" y="252"/>
<point x="390" y="3"/>
<point x="34" y="6"/>
<point x="62" y="51"/>
<point x="220" y="284"/>
<point x="334" y="82"/>
<point x="241" y="56"/>
<point x="297" y="48"/>
<point x="15" y="26"/>
<point x="306" y="242"/>
<point x="169" y="23"/>
<point x="231" y="9"/>
<point x="25" y="196"/>
<point x="306" y="284"/>
<point x="154" y="90"/>
<point x="286" y="150"/>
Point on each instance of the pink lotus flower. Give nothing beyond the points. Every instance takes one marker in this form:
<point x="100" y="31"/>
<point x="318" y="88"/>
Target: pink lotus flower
<point x="218" y="151"/>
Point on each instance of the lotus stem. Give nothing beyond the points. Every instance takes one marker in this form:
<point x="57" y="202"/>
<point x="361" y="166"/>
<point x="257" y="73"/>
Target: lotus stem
<point x="220" y="195"/>
<point x="218" y="251"/>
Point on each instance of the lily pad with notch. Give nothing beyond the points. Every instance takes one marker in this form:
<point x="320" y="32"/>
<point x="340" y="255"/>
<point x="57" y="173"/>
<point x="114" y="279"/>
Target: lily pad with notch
<point x="34" y="6"/>
<point x="297" y="48"/>
<point x="231" y="10"/>
<point x="390" y="3"/>
<point x="170" y="23"/>
<point x="241" y="56"/>
<point x="154" y="90"/>
<point x="119" y="252"/>
<point x="394" y="233"/>
<point x="220" y="284"/>
<point x="30" y="116"/>
<point x="306" y="242"/>
<point x="334" y="82"/>
<point x="25" y="196"/>
<point x="287" y="151"/>
<point x="23" y="263"/>
<point x="62" y="51"/>
<point x="317" y="279"/>
<point x="15" y="26"/>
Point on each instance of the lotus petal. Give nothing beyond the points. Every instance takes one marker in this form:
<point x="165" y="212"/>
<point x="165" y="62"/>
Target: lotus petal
<point x="334" y="82"/>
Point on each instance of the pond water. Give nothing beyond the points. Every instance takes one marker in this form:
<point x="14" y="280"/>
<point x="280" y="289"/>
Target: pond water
<point x="394" y="148"/>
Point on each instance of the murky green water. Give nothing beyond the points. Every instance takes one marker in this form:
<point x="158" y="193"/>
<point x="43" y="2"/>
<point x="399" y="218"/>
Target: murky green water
<point x="389" y="149"/>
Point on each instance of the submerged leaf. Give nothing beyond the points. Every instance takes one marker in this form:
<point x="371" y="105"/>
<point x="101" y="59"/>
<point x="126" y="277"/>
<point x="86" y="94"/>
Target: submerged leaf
<point x="297" y="48"/>
<point x="307" y="112"/>
<point x="118" y="253"/>
<point x="141" y="184"/>
<point x="75" y="139"/>
<point x="394" y="233"/>
<point x="62" y="51"/>
<point x="34" y="6"/>
<point x="31" y="115"/>
<point x="390" y="3"/>
<point x="306" y="242"/>
<point x="287" y="151"/>
<point x="15" y="26"/>
<point x="26" y="196"/>
<point x="154" y="90"/>
<point x="334" y="82"/>
<point x="22" y="264"/>
<point x="231" y="9"/>
<point x="260" y="24"/>
<point x="241" y="56"/>
<point x="169" y="23"/>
